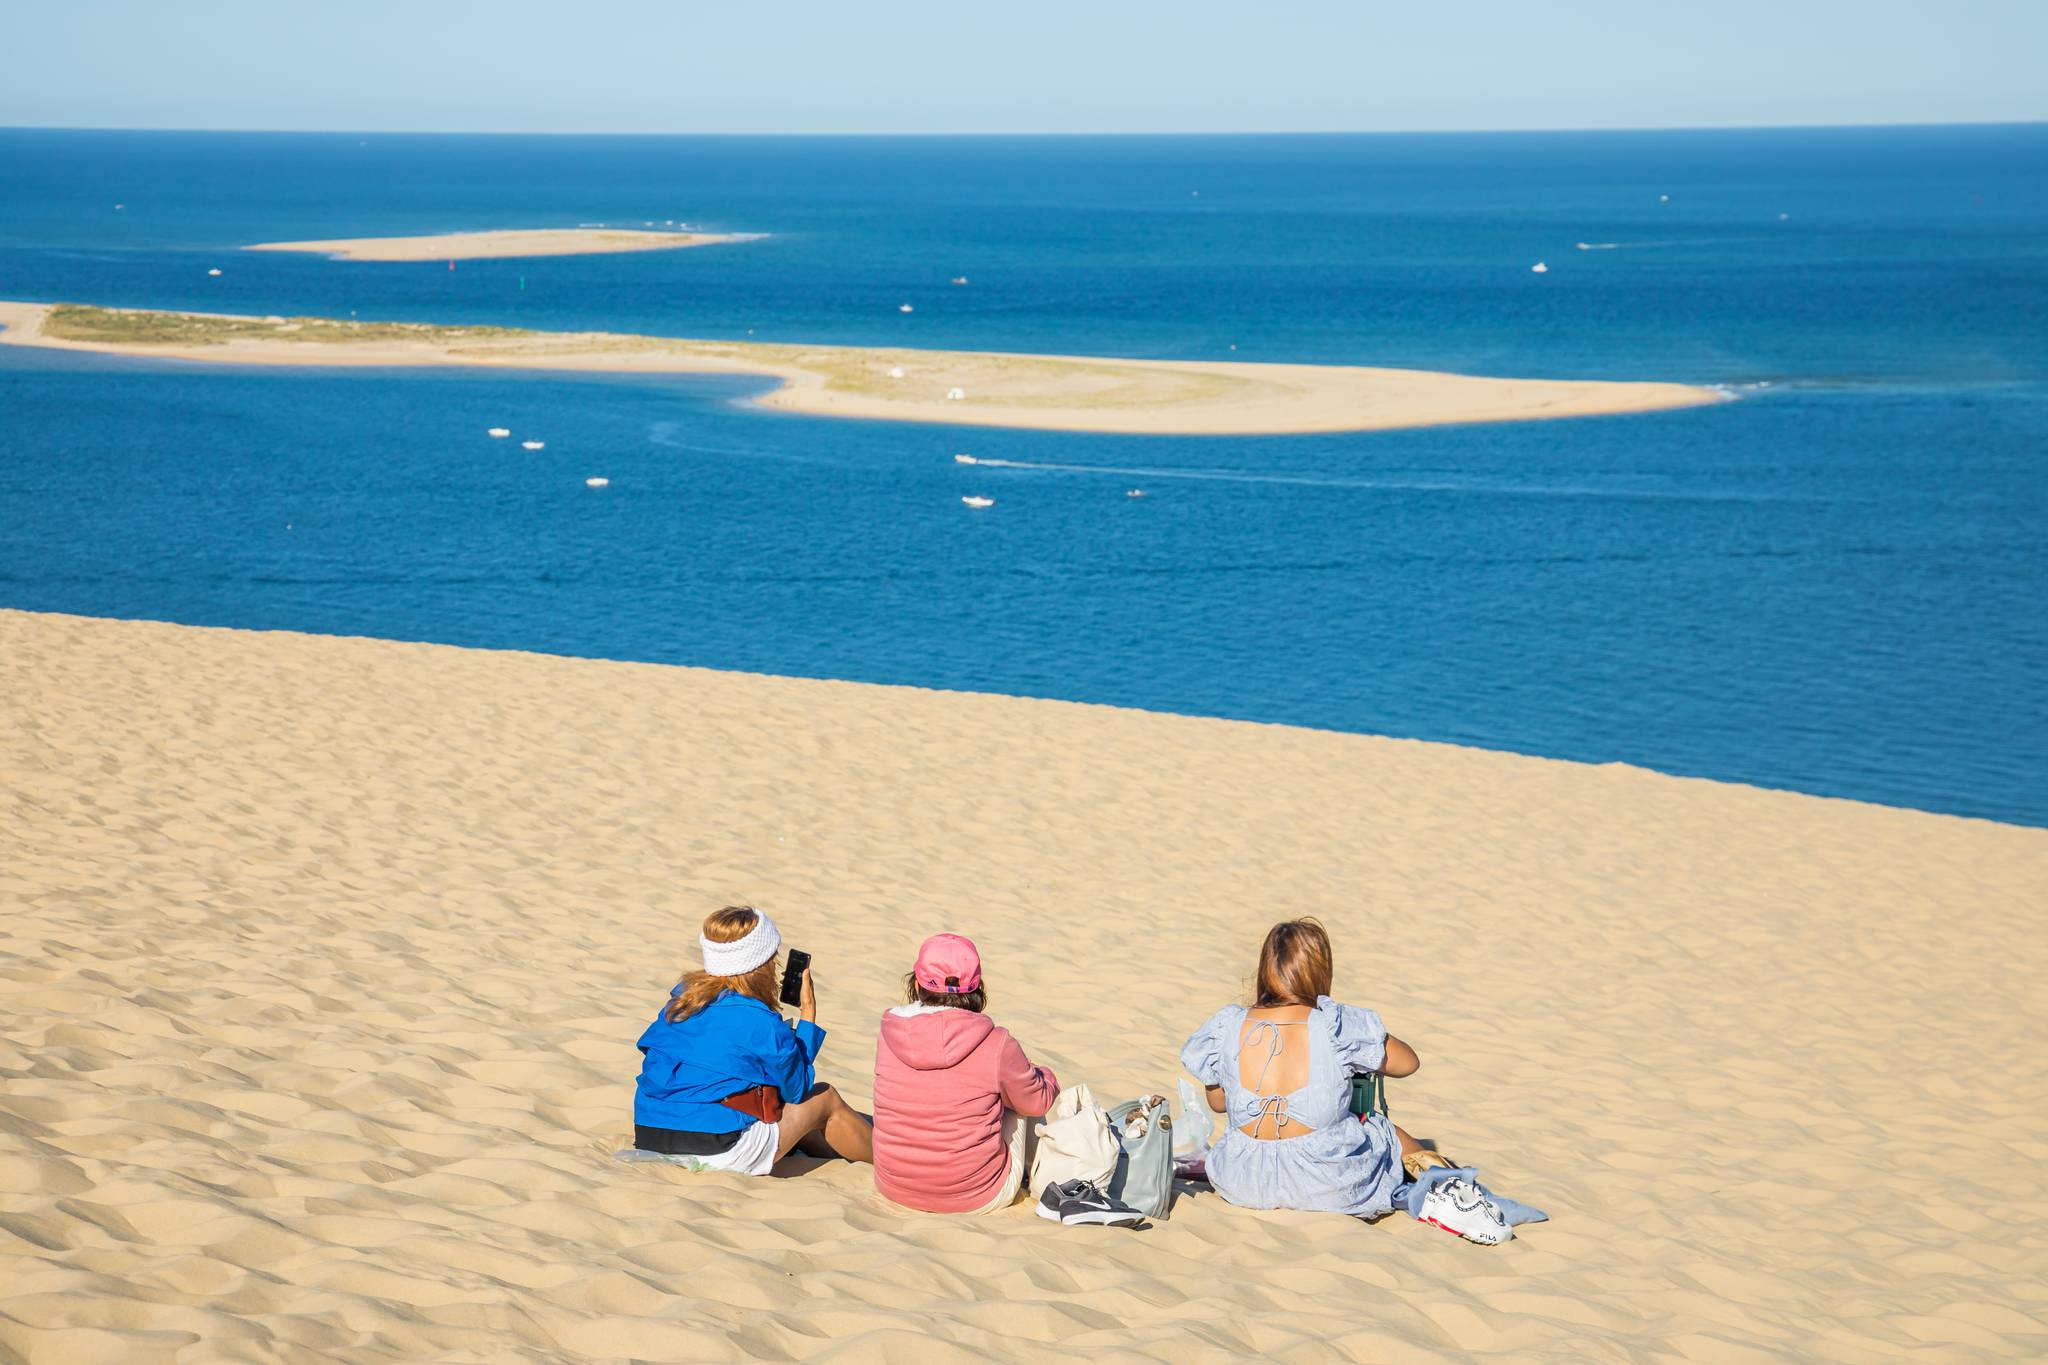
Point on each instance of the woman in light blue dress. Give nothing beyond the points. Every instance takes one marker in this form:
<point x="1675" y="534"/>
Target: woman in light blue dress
<point x="1280" y="1069"/>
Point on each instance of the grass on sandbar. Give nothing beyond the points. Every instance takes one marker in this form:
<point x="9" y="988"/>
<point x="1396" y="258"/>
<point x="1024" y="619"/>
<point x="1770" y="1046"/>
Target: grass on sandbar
<point x="1009" y="381"/>
<point x="119" y="326"/>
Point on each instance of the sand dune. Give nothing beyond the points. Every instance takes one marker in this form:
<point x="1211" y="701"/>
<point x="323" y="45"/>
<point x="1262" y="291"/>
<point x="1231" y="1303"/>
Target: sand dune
<point x="1054" y="393"/>
<point x="321" y="962"/>
<point x="469" y="246"/>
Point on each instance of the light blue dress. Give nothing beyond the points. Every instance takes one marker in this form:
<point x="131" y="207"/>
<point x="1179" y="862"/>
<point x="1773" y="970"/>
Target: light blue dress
<point x="1345" y="1165"/>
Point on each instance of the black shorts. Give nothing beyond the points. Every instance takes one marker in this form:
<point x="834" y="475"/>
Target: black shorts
<point x="670" y="1142"/>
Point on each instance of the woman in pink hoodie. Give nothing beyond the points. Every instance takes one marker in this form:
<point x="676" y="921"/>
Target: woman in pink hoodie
<point x="952" y="1091"/>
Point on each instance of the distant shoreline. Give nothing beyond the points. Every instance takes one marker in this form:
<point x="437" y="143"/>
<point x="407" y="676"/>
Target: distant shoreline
<point x="505" y="244"/>
<point x="958" y="388"/>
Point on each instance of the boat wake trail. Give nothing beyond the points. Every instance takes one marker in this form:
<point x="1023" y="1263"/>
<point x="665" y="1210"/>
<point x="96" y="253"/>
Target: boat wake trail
<point x="1671" y="241"/>
<point x="1380" y="483"/>
<point x="671" y="435"/>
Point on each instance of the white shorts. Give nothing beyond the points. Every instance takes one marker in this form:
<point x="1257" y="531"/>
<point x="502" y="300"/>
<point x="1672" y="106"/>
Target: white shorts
<point x="753" y="1154"/>
<point x="1016" y="1132"/>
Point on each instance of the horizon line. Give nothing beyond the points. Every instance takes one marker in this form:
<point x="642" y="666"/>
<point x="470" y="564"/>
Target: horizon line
<point x="1036" y="133"/>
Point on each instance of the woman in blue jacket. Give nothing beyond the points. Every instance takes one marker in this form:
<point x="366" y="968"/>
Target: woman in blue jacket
<point x="724" y="1080"/>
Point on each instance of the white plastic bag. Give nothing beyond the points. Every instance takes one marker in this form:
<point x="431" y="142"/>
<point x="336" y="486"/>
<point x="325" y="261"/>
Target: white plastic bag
<point x="1192" y="1124"/>
<point x="1074" y="1143"/>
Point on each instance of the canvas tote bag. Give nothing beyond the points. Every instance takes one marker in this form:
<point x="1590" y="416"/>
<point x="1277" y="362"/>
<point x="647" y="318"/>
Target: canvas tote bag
<point x="1074" y="1143"/>
<point x="1144" y="1167"/>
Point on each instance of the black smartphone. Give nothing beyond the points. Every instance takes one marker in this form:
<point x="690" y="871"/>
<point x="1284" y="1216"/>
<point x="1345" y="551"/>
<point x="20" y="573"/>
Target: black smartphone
<point x="793" y="977"/>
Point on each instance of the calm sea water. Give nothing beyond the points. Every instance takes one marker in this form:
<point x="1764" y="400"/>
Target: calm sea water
<point x="1835" y="584"/>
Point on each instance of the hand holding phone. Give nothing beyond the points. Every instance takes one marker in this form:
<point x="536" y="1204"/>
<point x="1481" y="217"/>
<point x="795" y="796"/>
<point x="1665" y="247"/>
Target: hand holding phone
<point x="793" y="977"/>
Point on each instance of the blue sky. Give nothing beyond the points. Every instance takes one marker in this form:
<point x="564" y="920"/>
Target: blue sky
<point x="969" y="66"/>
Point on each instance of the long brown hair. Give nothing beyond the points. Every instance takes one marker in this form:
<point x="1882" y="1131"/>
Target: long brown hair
<point x="1294" y="964"/>
<point x="700" y="988"/>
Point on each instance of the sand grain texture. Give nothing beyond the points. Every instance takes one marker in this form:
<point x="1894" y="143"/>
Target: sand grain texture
<point x="321" y="962"/>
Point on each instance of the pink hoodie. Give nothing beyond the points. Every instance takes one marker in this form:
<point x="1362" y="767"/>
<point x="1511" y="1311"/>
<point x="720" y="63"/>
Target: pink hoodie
<point x="943" y="1077"/>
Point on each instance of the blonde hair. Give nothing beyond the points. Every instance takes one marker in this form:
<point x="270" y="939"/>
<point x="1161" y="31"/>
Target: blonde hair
<point x="700" y="988"/>
<point x="1294" y="964"/>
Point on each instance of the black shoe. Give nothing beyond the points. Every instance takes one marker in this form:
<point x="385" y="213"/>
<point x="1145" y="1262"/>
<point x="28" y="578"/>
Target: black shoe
<point x="1077" y="1201"/>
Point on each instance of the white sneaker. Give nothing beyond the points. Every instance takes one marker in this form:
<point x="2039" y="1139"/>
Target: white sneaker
<point x="1457" y="1205"/>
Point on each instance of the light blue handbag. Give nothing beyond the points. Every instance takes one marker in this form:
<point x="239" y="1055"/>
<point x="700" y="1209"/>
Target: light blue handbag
<point x="1144" y="1168"/>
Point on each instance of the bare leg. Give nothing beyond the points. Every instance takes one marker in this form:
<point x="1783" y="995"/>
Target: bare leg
<point x="1409" y="1146"/>
<point x="826" y="1125"/>
<point x="851" y="1133"/>
<point x="817" y="1142"/>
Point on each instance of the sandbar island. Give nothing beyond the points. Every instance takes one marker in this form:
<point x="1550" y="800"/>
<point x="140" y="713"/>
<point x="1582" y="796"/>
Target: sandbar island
<point x="505" y="244"/>
<point x="958" y="388"/>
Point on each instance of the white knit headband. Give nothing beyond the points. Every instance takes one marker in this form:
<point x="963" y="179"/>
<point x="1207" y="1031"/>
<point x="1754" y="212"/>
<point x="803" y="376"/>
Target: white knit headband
<point x="743" y="954"/>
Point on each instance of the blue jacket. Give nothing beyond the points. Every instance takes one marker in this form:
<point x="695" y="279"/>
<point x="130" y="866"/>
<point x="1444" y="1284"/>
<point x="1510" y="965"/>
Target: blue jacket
<point x="734" y="1043"/>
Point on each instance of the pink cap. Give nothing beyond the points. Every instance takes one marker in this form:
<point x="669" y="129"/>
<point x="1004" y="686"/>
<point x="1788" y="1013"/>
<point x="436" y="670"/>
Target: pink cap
<point x="947" y="964"/>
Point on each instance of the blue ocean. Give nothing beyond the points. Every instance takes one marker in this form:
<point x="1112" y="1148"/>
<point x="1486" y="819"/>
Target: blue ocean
<point x="1834" y="584"/>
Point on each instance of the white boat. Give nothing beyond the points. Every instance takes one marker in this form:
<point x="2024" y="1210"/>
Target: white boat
<point x="905" y="308"/>
<point x="972" y="501"/>
<point x="1134" y="492"/>
<point x="500" y="433"/>
<point x="214" y="271"/>
<point x="959" y="279"/>
<point x="597" y="483"/>
<point x="1539" y="269"/>
<point x="965" y="459"/>
<point x="534" y="445"/>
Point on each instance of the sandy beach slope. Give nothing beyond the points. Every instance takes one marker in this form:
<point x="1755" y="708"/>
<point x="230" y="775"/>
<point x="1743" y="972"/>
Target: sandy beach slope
<point x="1066" y="393"/>
<point x="321" y="962"/>
<point x="472" y="246"/>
